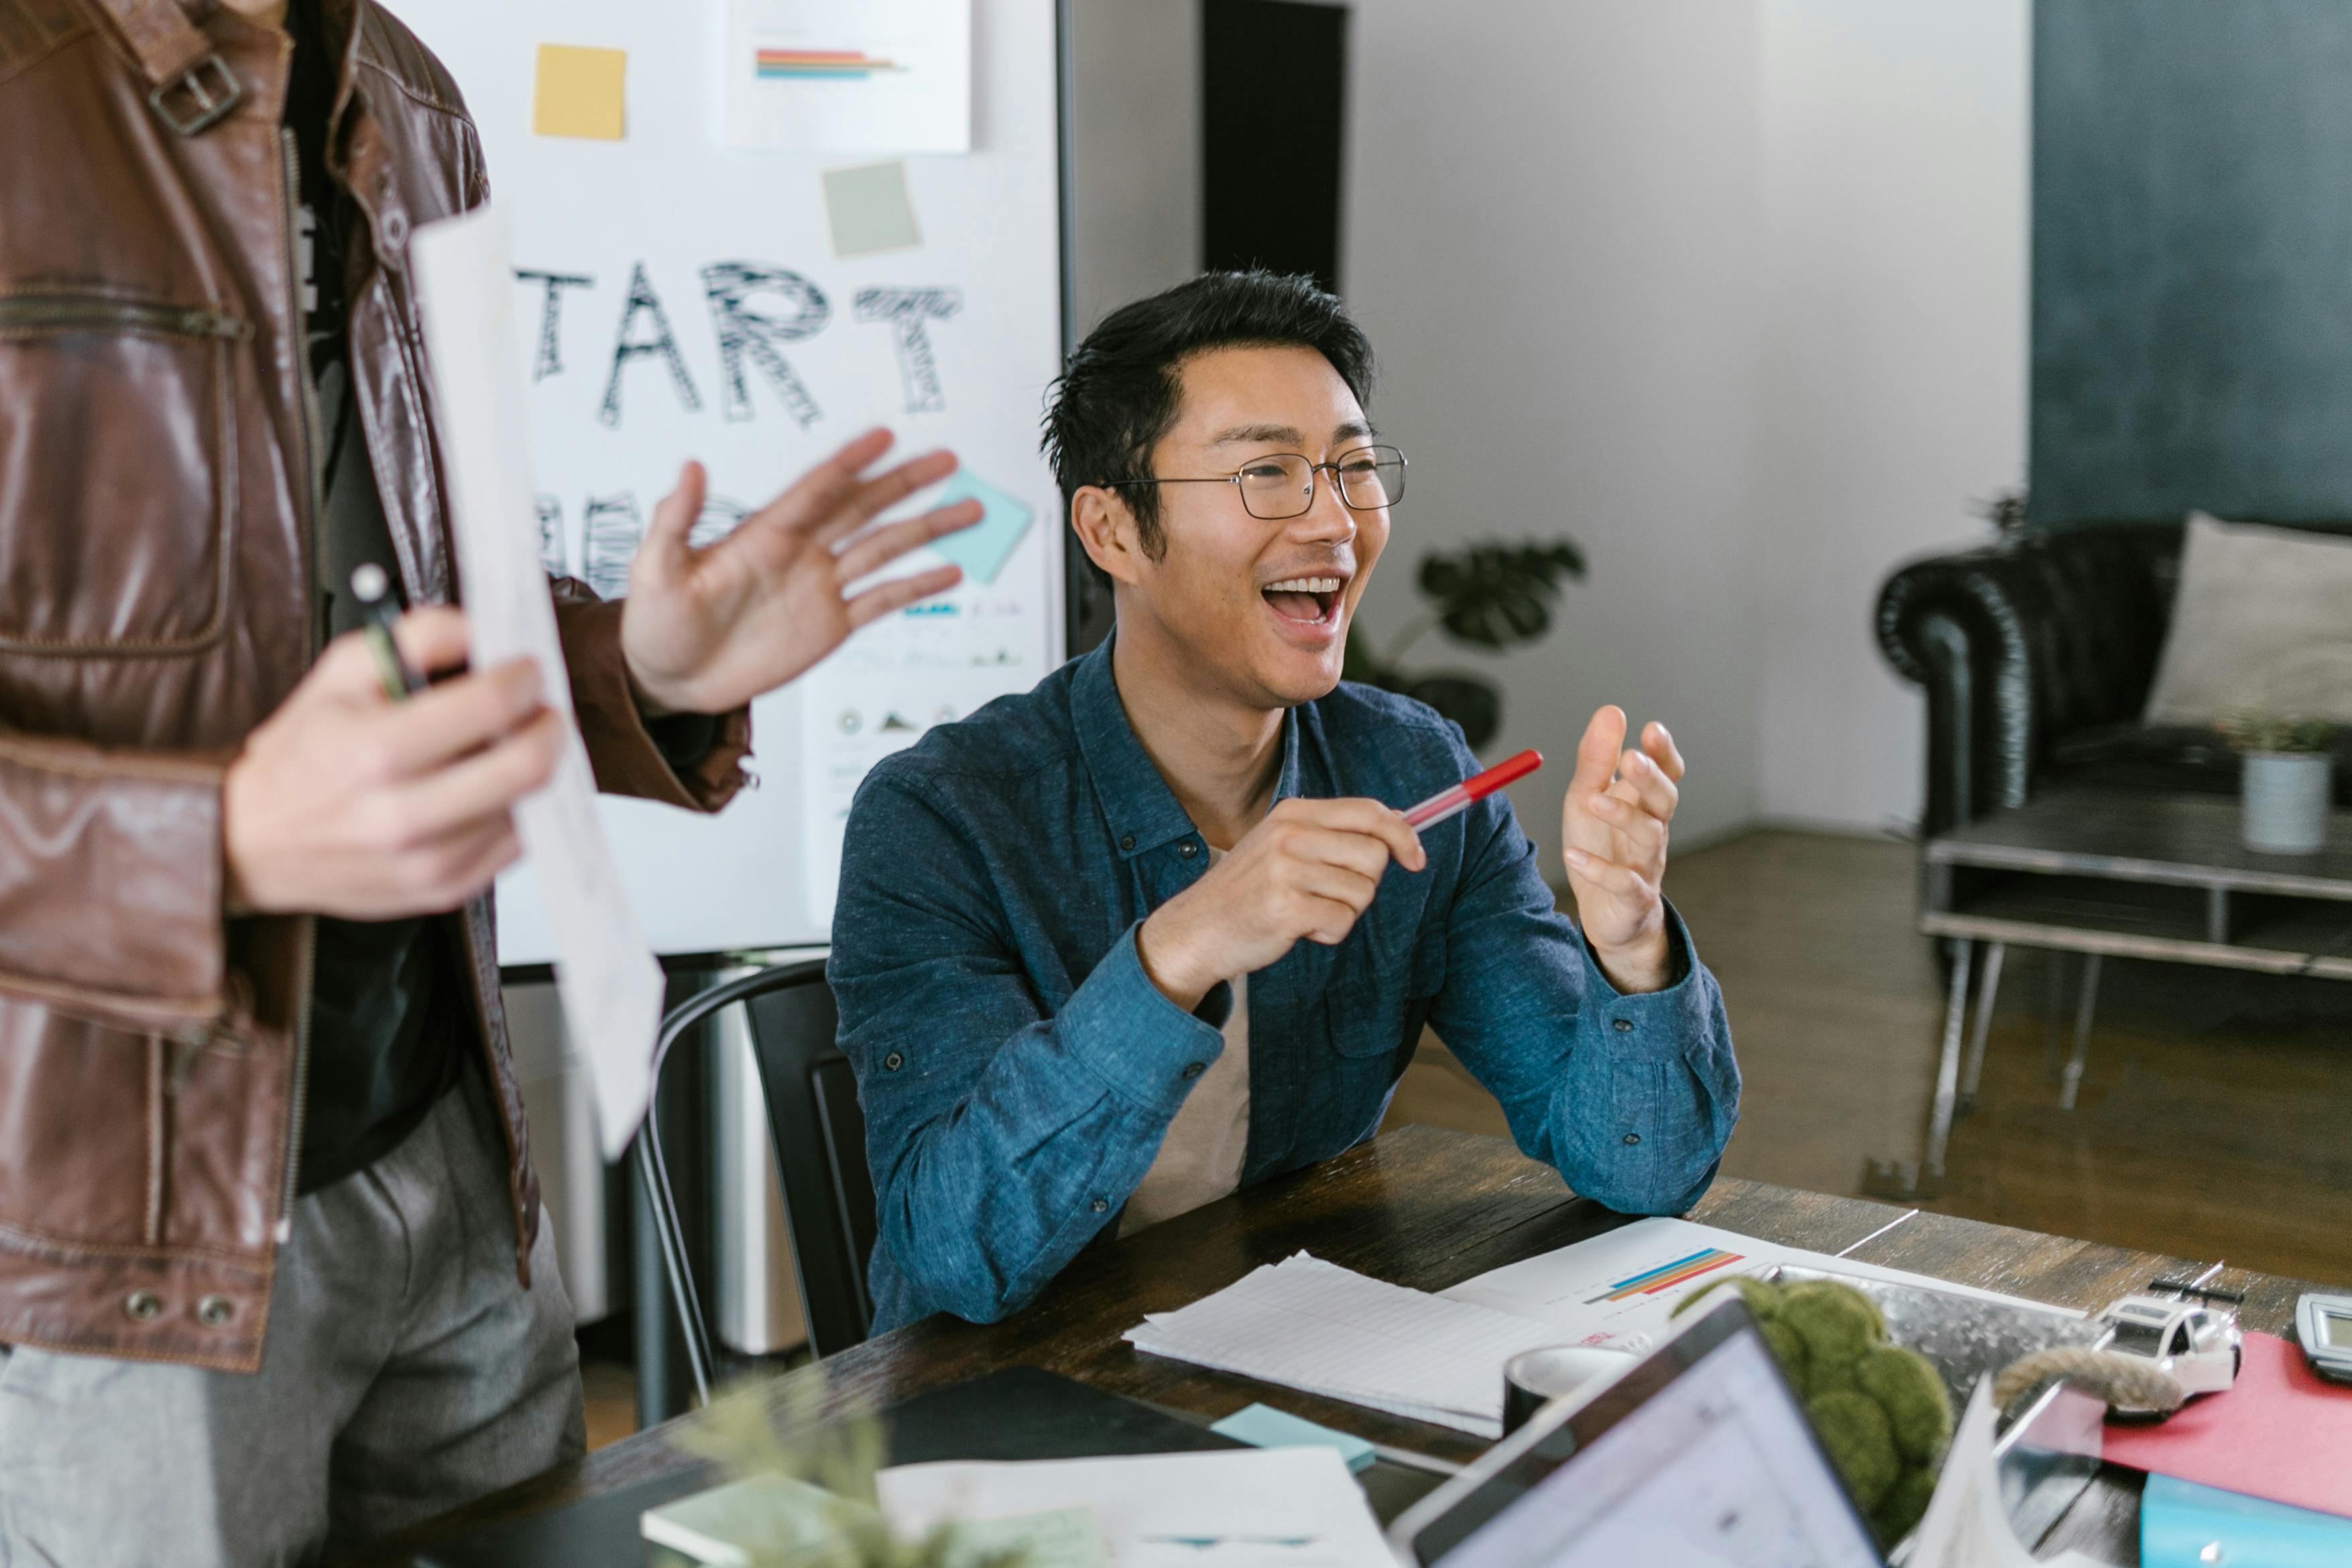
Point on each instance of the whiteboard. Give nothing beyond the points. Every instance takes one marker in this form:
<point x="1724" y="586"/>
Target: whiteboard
<point x="667" y="214"/>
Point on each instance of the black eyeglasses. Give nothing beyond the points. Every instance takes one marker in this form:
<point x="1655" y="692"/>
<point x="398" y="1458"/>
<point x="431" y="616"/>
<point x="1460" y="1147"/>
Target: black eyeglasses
<point x="1283" y="484"/>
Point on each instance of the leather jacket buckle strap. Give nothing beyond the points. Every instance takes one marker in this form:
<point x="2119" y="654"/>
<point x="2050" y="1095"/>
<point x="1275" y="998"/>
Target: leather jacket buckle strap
<point x="192" y="87"/>
<point x="209" y="89"/>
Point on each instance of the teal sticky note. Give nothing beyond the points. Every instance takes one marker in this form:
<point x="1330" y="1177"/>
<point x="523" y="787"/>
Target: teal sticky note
<point x="2182" y="1522"/>
<point x="982" y="549"/>
<point x="1264" y="1426"/>
<point x="870" y="210"/>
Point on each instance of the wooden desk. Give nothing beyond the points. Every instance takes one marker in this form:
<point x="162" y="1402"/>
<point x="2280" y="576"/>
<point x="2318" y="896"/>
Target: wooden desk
<point x="1427" y="1208"/>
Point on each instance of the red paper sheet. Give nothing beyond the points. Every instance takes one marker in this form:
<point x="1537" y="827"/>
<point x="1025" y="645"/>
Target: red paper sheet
<point x="2282" y="1433"/>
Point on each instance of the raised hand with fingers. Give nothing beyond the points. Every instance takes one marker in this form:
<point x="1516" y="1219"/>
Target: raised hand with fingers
<point x="1613" y="828"/>
<point x="707" y="630"/>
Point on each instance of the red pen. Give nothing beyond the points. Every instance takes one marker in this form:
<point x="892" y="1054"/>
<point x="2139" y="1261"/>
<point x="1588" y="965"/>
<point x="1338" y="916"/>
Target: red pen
<point x="1463" y="796"/>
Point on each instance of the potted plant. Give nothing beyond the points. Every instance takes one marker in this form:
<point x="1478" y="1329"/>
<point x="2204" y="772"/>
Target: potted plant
<point x="2288" y="780"/>
<point x="1490" y="596"/>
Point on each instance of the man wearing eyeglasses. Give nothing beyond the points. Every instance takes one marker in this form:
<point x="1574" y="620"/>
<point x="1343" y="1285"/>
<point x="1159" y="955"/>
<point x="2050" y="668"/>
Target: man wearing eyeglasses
<point x="1155" y="931"/>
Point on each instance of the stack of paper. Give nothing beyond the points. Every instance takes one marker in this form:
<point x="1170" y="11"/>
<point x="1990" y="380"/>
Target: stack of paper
<point x="1312" y="1325"/>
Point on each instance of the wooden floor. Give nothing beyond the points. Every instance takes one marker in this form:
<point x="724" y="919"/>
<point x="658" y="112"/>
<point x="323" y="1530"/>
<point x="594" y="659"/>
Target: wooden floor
<point x="2215" y="1119"/>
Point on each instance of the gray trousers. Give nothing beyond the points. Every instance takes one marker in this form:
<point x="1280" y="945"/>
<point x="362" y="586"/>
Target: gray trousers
<point x="405" y="1372"/>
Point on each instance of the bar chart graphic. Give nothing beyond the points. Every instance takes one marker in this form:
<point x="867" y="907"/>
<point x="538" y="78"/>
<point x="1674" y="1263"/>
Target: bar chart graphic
<point x="820" y="65"/>
<point x="1667" y="1276"/>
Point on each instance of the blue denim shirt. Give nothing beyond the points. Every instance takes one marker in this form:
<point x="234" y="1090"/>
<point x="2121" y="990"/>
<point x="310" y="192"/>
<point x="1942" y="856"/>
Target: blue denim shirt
<point x="1018" y="1070"/>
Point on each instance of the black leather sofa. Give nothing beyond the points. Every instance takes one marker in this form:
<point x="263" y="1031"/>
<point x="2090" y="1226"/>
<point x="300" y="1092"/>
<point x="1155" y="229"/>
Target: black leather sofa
<point x="2037" y="653"/>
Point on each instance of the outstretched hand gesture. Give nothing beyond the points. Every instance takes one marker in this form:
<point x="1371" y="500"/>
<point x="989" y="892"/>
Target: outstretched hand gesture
<point x="707" y="630"/>
<point x="1613" y="833"/>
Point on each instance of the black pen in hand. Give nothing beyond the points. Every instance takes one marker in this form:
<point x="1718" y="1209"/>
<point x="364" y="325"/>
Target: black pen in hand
<point x="372" y="588"/>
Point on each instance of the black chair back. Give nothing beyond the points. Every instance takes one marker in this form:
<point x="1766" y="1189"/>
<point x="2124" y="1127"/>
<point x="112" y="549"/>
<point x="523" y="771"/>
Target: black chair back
<point x="818" y="1134"/>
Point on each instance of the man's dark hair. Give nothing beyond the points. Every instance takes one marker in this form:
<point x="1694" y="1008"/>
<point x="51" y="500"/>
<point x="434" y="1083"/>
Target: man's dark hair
<point x="1118" y="394"/>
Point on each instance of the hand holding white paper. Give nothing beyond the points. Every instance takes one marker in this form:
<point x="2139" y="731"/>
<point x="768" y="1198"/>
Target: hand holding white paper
<point x="605" y="976"/>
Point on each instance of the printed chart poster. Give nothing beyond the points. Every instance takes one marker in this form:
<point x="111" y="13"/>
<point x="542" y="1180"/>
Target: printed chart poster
<point x="849" y="76"/>
<point x="931" y="663"/>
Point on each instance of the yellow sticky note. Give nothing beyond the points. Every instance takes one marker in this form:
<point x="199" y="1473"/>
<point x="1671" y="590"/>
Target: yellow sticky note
<point x="579" y="92"/>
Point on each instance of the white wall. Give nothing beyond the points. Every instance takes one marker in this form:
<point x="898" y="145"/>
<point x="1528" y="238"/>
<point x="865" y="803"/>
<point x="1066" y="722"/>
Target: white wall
<point x="1551" y="229"/>
<point x="1733" y="292"/>
<point x="1896" y="163"/>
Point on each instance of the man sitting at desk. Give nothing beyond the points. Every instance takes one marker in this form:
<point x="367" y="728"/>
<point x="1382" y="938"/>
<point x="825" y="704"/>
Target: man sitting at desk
<point x="1109" y="950"/>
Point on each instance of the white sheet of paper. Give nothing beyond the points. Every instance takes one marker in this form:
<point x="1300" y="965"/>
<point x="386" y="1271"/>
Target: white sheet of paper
<point x="1258" y="1507"/>
<point x="1591" y="1293"/>
<point x="605" y="976"/>
<point x="1964" y="1525"/>
<point x="1312" y="1325"/>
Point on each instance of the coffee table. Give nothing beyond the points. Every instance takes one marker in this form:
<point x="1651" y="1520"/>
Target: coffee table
<point x="2112" y="874"/>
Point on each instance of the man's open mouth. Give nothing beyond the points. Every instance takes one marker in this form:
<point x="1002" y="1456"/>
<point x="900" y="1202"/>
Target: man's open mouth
<point x="1310" y="601"/>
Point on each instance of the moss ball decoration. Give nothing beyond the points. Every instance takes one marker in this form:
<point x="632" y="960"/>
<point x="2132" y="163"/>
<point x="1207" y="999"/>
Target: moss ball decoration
<point x="1855" y="1429"/>
<point x="1911" y="1391"/>
<point x="1881" y="1411"/>
<point x="1836" y="1322"/>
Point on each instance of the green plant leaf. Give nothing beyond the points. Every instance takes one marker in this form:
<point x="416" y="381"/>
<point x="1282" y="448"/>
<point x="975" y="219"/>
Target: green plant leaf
<point x="1496" y="595"/>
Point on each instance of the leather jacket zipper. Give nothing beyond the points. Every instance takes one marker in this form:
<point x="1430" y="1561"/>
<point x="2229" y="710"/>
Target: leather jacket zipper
<point x="24" y="315"/>
<point x="306" y="963"/>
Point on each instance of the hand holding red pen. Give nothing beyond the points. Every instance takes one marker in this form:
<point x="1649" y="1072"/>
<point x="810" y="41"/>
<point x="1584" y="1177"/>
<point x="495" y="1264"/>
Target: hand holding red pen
<point x="1614" y="828"/>
<point x="1306" y="872"/>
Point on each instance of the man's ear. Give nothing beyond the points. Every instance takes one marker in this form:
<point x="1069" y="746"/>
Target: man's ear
<point x="1108" y="530"/>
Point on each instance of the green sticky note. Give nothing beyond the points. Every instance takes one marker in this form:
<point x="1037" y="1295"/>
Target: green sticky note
<point x="869" y="209"/>
<point x="1060" y="1538"/>
<point x="982" y="548"/>
<point x="1264" y="1426"/>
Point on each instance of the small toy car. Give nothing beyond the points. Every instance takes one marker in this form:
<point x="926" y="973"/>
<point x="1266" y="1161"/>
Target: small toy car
<point x="2182" y="1333"/>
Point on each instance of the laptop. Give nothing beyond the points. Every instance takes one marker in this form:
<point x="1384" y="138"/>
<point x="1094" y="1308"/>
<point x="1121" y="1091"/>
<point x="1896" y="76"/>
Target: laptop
<point x="1699" y="1455"/>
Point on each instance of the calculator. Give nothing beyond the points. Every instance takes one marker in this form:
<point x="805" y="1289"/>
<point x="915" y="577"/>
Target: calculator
<point x="2324" y="1324"/>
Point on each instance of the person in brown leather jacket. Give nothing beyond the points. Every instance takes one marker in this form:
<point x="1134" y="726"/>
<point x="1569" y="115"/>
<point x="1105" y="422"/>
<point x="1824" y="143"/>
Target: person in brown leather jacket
<point x="272" y="1277"/>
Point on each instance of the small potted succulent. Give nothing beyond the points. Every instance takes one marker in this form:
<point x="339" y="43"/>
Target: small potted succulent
<point x="2288" y="780"/>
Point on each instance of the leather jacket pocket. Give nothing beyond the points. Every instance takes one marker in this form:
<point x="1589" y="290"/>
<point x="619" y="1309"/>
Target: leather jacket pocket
<point x="118" y="474"/>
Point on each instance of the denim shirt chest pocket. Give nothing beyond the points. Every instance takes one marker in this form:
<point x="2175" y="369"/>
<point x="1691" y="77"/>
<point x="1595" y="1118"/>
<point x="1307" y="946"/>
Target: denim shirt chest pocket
<point x="1385" y="976"/>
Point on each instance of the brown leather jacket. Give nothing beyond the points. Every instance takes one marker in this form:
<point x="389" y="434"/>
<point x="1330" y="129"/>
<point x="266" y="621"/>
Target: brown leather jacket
<point x="157" y="497"/>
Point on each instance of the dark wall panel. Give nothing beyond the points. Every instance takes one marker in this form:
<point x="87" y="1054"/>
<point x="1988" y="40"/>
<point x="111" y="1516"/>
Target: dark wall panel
<point x="2192" y="259"/>
<point x="1274" y="117"/>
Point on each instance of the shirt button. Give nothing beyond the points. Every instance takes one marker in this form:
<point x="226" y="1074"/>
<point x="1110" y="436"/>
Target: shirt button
<point x="1188" y="849"/>
<point x="892" y="1063"/>
<point x="1127" y="840"/>
<point x="1101" y="1206"/>
<point x="1622" y="1026"/>
<point x="1632" y="1138"/>
<point x="1194" y="1069"/>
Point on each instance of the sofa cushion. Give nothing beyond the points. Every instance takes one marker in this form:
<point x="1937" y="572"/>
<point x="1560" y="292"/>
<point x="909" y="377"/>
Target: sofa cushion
<point x="2262" y="623"/>
<point x="2164" y="758"/>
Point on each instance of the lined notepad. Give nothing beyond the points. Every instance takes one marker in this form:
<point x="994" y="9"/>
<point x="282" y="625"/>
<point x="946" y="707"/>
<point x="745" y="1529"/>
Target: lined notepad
<point x="1315" y="1326"/>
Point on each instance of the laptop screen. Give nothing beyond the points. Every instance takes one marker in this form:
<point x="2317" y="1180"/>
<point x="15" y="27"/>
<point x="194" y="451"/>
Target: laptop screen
<point x="1716" y="1468"/>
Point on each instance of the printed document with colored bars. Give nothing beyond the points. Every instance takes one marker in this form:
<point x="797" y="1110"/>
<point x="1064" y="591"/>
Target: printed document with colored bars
<point x="1621" y="1288"/>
